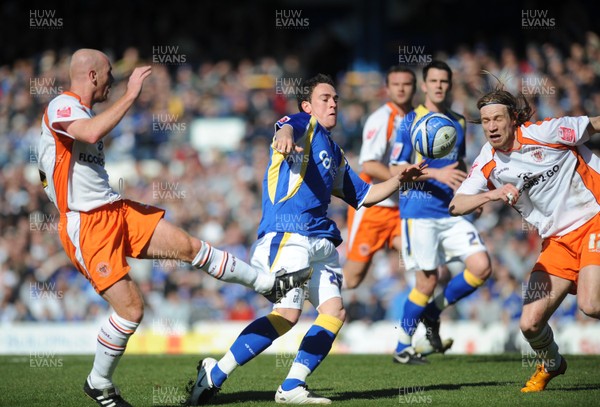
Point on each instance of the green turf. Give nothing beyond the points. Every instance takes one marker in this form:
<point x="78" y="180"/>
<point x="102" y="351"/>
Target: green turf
<point x="349" y="380"/>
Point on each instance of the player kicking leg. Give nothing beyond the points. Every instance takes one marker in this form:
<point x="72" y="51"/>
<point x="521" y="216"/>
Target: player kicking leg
<point x="123" y="294"/>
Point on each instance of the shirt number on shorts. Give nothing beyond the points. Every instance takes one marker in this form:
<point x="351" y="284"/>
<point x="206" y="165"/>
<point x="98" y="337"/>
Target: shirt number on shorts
<point x="334" y="278"/>
<point x="594" y="243"/>
<point x="475" y="239"/>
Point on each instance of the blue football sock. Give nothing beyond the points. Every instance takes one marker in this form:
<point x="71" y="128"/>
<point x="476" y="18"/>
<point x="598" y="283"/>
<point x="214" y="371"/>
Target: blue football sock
<point x="217" y="376"/>
<point x="315" y="346"/>
<point x="459" y="287"/>
<point x="258" y="336"/>
<point x="413" y="308"/>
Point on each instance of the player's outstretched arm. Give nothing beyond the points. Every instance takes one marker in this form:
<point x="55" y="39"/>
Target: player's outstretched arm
<point x="381" y="191"/>
<point x="452" y="175"/>
<point x="94" y="129"/>
<point x="463" y="204"/>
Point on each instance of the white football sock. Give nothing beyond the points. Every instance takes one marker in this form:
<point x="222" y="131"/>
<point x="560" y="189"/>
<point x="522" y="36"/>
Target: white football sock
<point x="112" y="340"/>
<point x="298" y="371"/>
<point x="546" y="349"/>
<point x="226" y="267"/>
<point x="227" y="364"/>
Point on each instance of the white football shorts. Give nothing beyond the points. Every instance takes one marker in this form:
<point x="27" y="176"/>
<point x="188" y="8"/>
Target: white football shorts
<point x="293" y="251"/>
<point x="429" y="243"/>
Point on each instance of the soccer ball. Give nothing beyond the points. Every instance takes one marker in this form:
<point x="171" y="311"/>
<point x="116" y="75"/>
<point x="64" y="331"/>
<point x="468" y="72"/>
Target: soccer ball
<point x="433" y="135"/>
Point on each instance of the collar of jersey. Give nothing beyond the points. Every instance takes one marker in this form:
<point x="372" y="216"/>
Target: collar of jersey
<point x="76" y="96"/>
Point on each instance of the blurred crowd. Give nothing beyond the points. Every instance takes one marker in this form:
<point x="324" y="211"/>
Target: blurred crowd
<point x="215" y="194"/>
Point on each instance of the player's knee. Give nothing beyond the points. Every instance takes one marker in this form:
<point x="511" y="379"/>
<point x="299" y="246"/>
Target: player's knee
<point x="133" y="312"/>
<point x="530" y="325"/>
<point x="134" y="309"/>
<point x="426" y="286"/>
<point x="589" y="307"/>
<point x="480" y="265"/>
<point x="337" y="313"/>
<point x="342" y="315"/>
<point x="484" y="272"/>
<point x="290" y="315"/>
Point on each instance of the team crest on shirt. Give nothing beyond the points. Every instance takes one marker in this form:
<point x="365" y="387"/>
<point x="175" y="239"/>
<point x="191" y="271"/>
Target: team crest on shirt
<point x="103" y="269"/>
<point x="371" y="133"/>
<point x="64" y="112"/>
<point x="283" y="120"/>
<point x="566" y="134"/>
<point x="536" y="153"/>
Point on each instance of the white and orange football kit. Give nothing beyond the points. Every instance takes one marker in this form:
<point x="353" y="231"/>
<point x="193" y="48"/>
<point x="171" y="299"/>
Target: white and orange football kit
<point x="98" y="229"/>
<point x="370" y="229"/>
<point x="558" y="179"/>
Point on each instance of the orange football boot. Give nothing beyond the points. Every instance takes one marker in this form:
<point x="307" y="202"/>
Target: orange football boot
<point x="540" y="379"/>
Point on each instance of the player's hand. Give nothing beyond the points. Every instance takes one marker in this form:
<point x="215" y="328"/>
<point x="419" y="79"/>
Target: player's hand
<point x="412" y="172"/>
<point x="136" y="80"/>
<point x="283" y="142"/>
<point x="285" y="146"/>
<point x="508" y="194"/>
<point x="451" y="176"/>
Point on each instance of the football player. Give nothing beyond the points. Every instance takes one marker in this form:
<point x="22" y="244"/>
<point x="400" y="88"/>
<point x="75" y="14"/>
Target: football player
<point x="306" y="169"/>
<point x="430" y="236"/>
<point x="543" y="171"/>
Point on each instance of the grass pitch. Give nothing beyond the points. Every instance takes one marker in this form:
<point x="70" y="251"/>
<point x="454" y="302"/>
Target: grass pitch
<point x="349" y="380"/>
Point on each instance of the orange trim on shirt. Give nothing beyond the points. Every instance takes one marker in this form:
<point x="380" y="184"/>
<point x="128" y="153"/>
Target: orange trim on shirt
<point x="391" y="120"/>
<point x="528" y="141"/>
<point x="62" y="160"/>
<point x="388" y="135"/>
<point x="589" y="177"/>
<point x="76" y="96"/>
<point x="486" y="170"/>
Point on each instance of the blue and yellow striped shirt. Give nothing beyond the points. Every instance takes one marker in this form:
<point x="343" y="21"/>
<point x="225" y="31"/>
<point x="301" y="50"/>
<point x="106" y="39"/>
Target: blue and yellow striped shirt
<point x="297" y="188"/>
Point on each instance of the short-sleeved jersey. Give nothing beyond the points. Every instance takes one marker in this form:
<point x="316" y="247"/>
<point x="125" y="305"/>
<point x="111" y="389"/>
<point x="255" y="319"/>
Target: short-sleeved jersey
<point x="558" y="178"/>
<point x="426" y="199"/>
<point x="297" y="188"/>
<point x="377" y="140"/>
<point x="72" y="171"/>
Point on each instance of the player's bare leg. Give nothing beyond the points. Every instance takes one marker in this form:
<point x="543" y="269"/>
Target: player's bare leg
<point x="588" y="291"/>
<point x="542" y="297"/>
<point x="128" y="305"/>
<point x="354" y="273"/>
